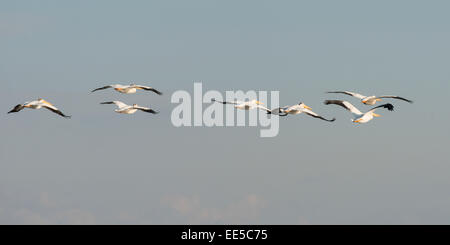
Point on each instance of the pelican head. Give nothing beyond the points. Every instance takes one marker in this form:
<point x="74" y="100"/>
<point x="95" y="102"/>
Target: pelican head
<point x="304" y="106"/>
<point x="369" y="100"/>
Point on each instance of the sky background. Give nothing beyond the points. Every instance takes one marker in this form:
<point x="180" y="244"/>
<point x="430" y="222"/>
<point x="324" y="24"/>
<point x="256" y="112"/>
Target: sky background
<point x="104" y="168"/>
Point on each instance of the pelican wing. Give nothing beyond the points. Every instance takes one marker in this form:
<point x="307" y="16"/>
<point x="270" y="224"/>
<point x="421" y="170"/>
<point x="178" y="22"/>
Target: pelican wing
<point x="148" y="89"/>
<point x="145" y="109"/>
<point x="55" y="110"/>
<point x="344" y="104"/>
<point x="109" y="86"/>
<point x="117" y="103"/>
<point x="388" y="106"/>
<point x="278" y="111"/>
<point x="297" y="107"/>
<point x="226" y="102"/>
<point x="17" y="108"/>
<point x="313" y="114"/>
<point x="395" y="97"/>
<point x="359" y="96"/>
<point x="282" y="110"/>
<point x="264" y="109"/>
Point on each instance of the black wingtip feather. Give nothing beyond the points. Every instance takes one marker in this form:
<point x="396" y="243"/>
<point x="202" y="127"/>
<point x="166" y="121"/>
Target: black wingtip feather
<point x="16" y="108"/>
<point x="390" y="107"/>
<point x="328" y="120"/>
<point x="327" y="102"/>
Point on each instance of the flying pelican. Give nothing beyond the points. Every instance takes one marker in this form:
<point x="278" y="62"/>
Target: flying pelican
<point x="248" y="105"/>
<point x="370" y="100"/>
<point x="129" y="109"/>
<point x="38" y="104"/>
<point x="297" y="109"/>
<point x="127" y="89"/>
<point x="359" y="116"/>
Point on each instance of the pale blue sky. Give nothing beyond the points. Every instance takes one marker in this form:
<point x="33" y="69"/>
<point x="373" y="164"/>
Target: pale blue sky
<point x="311" y="173"/>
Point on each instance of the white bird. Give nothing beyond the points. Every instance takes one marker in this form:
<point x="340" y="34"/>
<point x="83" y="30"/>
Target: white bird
<point x="38" y="104"/>
<point x="359" y="117"/>
<point x="369" y="100"/>
<point x="245" y="105"/>
<point x="297" y="109"/>
<point x="128" y="89"/>
<point x="129" y="109"/>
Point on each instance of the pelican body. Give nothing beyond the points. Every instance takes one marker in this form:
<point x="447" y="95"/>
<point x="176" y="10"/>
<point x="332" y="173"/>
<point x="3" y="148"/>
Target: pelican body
<point x="125" y="89"/>
<point x="247" y="105"/>
<point x="295" y="109"/>
<point x="129" y="109"/>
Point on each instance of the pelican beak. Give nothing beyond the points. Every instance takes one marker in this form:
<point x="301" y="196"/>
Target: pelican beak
<point x="357" y="121"/>
<point x="364" y="101"/>
<point x="378" y="99"/>
<point x="307" y="107"/>
<point x="376" y="115"/>
<point x="259" y="102"/>
<point x="46" y="102"/>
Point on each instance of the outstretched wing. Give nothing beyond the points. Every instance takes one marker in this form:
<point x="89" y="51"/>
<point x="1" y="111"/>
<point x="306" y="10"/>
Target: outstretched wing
<point x="148" y="89"/>
<point x="117" y="103"/>
<point x="313" y="114"/>
<point x="145" y="109"/>
<point x="388" y="106"/>
<point x="55" y="110"/>
<point x="359" y="96"/>
<point x="344" y="104"/>
<point x="395" y="97"/>
<point x="109" y="86"/>
<point x="226" y="102"/>
<point x="264" y="109"/>
<point x="279" y="111"/>
<point x="17" y="108"/>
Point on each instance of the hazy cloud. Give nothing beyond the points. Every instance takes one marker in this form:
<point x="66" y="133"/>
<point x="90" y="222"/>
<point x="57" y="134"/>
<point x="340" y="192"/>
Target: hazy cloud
<point x="244" y="211"/>
<point x="42" y="211"/>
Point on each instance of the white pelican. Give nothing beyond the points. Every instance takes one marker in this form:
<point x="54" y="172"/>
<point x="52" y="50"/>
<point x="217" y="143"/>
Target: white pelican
<point x="38" y="104"/>
<point x="129" y="109"/>
<point x="359" y="116"/>
<point x="370" y="100"/>
<point x="128" y="89"/>
<point x="297" y="109"/>
<point x="248" y="105"/>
